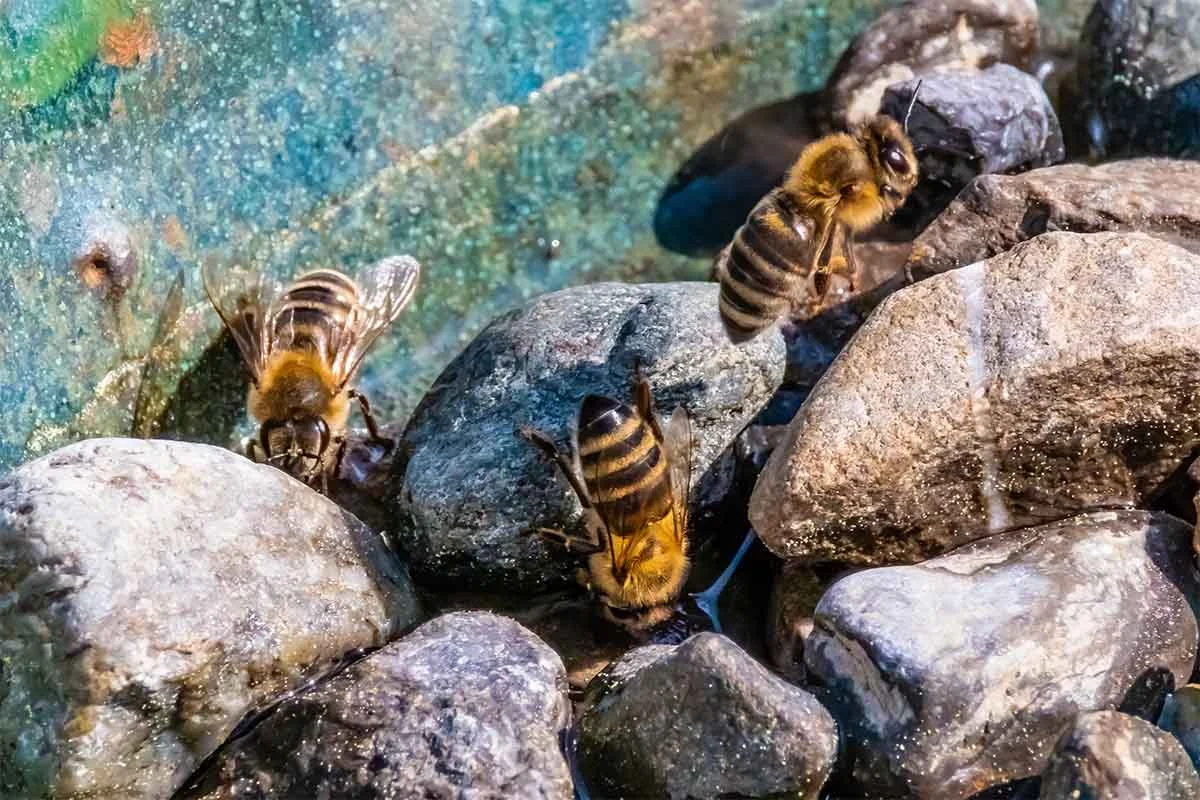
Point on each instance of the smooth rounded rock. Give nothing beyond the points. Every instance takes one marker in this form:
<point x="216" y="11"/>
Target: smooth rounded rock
<point x="702" y="720"/>
<point x="960" y="673"/>
<point x="468" y="706"/>
<point x="1112" y="756"/>
<point x="473" y="489"/>
<point x="157" y="591"/>
<point x="1055" y="377"/>
<point x="1181" y="718"/>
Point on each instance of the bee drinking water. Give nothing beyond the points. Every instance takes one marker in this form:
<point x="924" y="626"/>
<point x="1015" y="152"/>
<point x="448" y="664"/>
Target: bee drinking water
<point x="634" y="491"/>
<point x="303" y="344"/>
<point x="801" y="233"/>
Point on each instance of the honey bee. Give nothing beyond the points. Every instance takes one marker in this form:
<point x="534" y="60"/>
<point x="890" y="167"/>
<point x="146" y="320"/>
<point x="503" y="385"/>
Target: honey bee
<point x="802" y="233"/>
<point x="634" y="493"/>
<point x="302" y="345"/>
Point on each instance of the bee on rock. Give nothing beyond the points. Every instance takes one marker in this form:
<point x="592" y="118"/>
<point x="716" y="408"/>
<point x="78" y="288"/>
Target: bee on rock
<point x="303" y="344"/>
<point x="802" y="233"/>
<point x="634" y="491"/>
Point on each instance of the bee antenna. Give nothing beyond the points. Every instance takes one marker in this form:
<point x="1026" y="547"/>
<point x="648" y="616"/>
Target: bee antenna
<point x="912" y="103"/>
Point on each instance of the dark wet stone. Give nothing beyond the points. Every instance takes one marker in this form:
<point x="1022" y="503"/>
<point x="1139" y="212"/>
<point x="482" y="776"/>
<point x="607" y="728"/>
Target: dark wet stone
<point x="924" y="37"/>
<point x="1108" y="755"/>
<point x="959" y="673"/>
<point x="1181" y="718"/>
<point x="995" y="212"/>
<point x="157" y="591"/>
<point x="994" y="396"/>
<point x="473" y="488"/>
<point x="971" y="123"/>
<point x="702" y="720"/>
<point x="469" y="706"/>
<point x="1136" y="59"/>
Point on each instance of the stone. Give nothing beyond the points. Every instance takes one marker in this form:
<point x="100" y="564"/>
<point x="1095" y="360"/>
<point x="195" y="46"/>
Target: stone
<point x="922" y="38"/>
<point x="156" y="592"/>
<point x="968" y="123"/>
<point x="510" y="153"/>
<point x="1107" y="755"/>
<point x="473" y="488"/>
<point x="1131" y="54"/>
<point x="1181" y="718"/>
<point x="470" y="705"/>
<point x="701" y="719"/>
<point x="1055" y="377"/>
<point x="795" y="593"/>
<point x="960" y="673"/>
<point x="996" y="212"/>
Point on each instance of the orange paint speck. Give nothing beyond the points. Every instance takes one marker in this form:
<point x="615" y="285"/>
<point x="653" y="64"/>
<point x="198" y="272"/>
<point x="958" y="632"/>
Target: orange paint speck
<point x="128" y="42"/>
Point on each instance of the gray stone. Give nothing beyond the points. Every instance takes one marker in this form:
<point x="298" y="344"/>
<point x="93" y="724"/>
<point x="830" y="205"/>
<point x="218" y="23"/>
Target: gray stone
<point x="468" y="706"/>
<point x="155" y="592"/>
<point x="472" y="487"/>
<point x="702" y="720"/>
<point x="1130" y="52"/>
<point x="925" y="37"/>
<point x="960" y="673"/>
<point x="1113" y="756"/>
<point x="996" y="212"/>
<point x="1053" y="378"/>
<point x="968" y="123"/>
<point x="1181" y="717"/>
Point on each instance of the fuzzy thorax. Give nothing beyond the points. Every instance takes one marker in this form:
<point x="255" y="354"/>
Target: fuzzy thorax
<point x="295" y="384"/>
<point x="651" y="567"/>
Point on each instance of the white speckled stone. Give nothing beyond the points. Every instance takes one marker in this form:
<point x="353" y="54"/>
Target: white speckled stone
<point x="151" y="593"/>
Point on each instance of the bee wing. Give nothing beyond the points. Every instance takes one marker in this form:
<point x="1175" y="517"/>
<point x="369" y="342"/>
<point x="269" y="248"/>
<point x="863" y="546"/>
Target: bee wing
<point x="242" y="299"/>
<point x="149" y="403"/>
<point x="591" y="478"/>
<point x="385" y="289"/>
<point x="678" y="443"/>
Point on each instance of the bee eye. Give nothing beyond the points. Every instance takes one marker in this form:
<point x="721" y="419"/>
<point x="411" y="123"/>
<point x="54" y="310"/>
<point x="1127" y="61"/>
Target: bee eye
<point x="895" y="160"/>
<point x="622" y="613"/>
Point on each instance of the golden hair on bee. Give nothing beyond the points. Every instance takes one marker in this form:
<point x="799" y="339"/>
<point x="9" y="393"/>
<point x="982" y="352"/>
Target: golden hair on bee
<point x="303" y="344"/>
<point x="632" y="478"/>
<point x="798" y="235"/>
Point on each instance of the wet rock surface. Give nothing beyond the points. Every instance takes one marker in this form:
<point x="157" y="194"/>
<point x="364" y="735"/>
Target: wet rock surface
<point x="1134" y="55"/>
<point x="926" y="37"/>
<point x="1053" y="378"/>
<point x="1112" y="756"/>
<point x="960" y="673"/>
<point x="996" y="212"/>
<point x="156" y="592"/>
<point x="469" y="705"/>
<point x="472" y="487"/>
<point x="1181" y="718"/>
<point x="971" y="123"/>
<point x="702" y="720"/>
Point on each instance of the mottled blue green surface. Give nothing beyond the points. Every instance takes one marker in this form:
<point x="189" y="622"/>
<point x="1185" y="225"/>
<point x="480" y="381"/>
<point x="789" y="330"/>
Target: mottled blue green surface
<point x="473" y="135"/>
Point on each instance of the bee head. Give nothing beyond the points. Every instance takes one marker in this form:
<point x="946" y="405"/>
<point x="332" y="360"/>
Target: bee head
<point x="893" y="160"/>
<point x="297" y="445"/>
<point x="637" y="622"/>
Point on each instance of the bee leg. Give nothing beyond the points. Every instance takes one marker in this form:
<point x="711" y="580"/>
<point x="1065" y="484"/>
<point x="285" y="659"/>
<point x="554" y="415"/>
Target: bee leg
<point x="575" y="544"/>
<point x="643" y="400"/>
<point x="708" y="600"/>
<point x="543" y="443"/>
<point x="372" y="426"/>
<point x="850" y="260"/>
<point x="254" y="451"/>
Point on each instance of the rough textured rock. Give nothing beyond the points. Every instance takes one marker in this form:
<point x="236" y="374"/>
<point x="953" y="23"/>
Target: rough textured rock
<point x="1112" y="756"/>
<point x="960" y="673"/>
<point x="969" y="123"/>
<point x="1050" y="379"/>
<point x="470" y="706"/>
<point x="702" y="720"/>
<point x="995" y="212"/>
<point x="1131" y="53"/>
<point x="156" y="591"/>
<point x="1181" y="717"/>
<point x="925" y="37"/>
<point x="472" y="487"/>
<point x="794" y="596"/>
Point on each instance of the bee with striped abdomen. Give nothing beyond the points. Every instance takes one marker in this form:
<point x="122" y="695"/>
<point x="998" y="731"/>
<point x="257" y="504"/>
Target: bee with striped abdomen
<point x="303" y="344"/>
<point x="634" y="491"/>
<point x="801" y="233"/>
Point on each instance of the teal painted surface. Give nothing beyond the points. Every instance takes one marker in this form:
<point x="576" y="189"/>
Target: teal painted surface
<point x="472" y="135"/>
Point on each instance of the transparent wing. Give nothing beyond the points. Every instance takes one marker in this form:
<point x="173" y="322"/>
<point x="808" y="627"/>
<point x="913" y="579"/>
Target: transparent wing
<point x="242" y="298"/>
<point x="591" y="478"/>
<point x="385" y="289"/>
<point x="678" y="442"/>
<point x="150" y="402"/>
